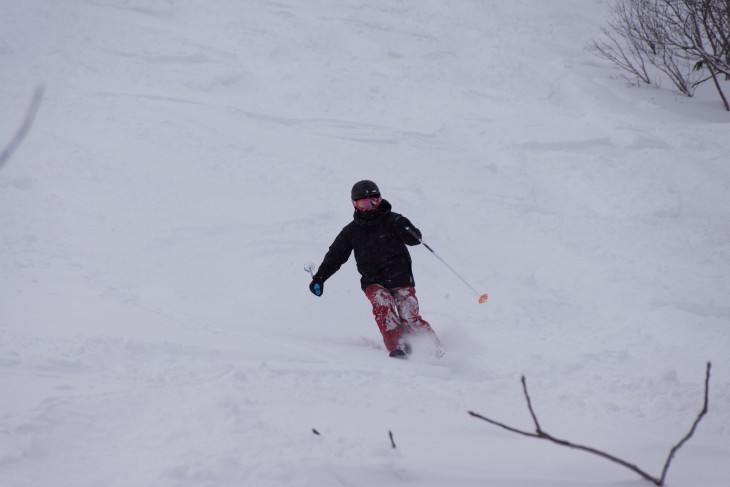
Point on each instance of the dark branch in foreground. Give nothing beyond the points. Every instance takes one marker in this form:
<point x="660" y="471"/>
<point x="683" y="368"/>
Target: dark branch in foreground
<point x="392" y="442"/>
<point x="539" y="433"/>
<point x="24" y="127"/>
<point x="692" y="430"/>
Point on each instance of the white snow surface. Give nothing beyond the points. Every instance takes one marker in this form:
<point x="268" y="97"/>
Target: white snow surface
<point x="191" y="156"/>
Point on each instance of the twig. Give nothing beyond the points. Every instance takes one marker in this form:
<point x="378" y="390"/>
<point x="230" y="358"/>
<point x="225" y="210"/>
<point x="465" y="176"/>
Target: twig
<point x="692" y="430"/>
<point x="392" y="442"/>
<point x="24" y="127"/>
<point x="529" y="406"/>
<point x="544" y="436"/>
<point x="539" y="433"/>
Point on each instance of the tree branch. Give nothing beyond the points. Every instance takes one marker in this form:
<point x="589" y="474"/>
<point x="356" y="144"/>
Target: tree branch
<point x="691" y="432"/>
<point x="538" y="430"/>
<point x="24" y="127"/>
<point x="540" y="434"/>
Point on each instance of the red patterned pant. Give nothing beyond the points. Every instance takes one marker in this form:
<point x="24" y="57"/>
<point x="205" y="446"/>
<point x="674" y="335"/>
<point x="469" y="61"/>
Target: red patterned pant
<point x="396" y="313"/>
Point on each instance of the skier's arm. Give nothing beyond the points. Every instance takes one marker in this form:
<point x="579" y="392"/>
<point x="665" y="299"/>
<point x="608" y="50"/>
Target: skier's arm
<point x="406" y="231"/>
<point x="338" y="253"/>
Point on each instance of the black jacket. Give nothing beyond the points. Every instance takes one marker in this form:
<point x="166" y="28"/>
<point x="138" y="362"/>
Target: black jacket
<point x="379" y="240"/>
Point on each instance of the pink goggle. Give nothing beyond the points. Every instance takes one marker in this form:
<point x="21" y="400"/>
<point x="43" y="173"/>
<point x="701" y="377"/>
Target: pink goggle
<point x="366" y="204"/>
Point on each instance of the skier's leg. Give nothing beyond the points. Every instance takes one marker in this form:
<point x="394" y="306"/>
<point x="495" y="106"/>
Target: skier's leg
<point x="413" y="323"/>
<point x="386" y="316"/>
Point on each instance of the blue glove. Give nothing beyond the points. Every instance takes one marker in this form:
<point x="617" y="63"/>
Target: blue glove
<point x="316" y="286"/>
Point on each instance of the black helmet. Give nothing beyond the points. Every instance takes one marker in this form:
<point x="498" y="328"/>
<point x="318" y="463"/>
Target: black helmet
<point x="364" y="189"/>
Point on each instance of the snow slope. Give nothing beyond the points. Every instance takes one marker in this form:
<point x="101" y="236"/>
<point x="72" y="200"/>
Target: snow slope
<point x="188" y="159"/>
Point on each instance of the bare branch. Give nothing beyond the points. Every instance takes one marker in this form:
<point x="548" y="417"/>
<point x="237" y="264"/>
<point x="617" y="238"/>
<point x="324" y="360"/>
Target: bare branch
<point x="628" y="61"/>
<point x="540" y="434"/>
<point x="691" y="432"/>
<point x="529" y="406"/>
<point x="30" y="115"/>
<point x="503" y="426"/>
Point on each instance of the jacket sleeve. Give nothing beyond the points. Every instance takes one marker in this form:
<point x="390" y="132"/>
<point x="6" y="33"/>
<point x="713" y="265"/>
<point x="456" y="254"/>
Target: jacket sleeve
<point x="405" y="230"/>
<point x="337" y="255"/>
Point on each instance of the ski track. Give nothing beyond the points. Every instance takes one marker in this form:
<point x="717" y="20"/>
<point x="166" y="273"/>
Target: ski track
<point x="188" y="158"/>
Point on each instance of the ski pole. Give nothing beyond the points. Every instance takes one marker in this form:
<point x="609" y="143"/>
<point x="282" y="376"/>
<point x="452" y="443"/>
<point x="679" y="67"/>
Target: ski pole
<point x="482" y="297"/>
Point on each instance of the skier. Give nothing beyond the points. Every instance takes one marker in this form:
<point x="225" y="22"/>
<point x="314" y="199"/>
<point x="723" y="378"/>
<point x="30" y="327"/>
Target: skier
<point x="379" y="237"/>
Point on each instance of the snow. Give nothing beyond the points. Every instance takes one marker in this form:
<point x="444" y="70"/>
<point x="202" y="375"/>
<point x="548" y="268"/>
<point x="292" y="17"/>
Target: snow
<point x="189" y="157"/>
